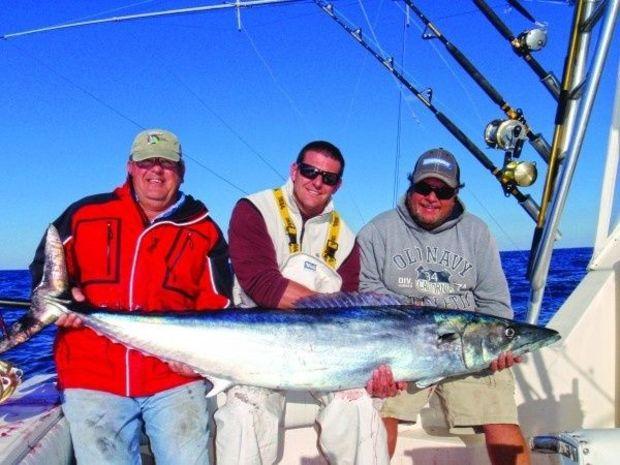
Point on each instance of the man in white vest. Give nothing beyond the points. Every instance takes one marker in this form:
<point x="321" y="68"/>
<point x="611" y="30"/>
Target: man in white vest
<point x="285" y="244"/>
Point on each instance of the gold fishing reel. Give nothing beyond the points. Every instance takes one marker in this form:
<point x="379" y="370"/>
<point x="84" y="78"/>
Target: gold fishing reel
<point x="509" y="135"/>
<point x="10" y="378"/>
<point x="521" y="173"/>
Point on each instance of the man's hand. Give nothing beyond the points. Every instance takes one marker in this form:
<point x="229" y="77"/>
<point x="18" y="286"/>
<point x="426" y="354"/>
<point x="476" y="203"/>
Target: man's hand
<point x="505" y="360"/>
<point x="382" y="383"/>
<point x="181" y="369"/>
<point x="72" y="320"/>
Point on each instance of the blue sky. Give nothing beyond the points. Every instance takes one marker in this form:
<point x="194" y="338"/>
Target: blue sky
<point x="244" y="102"/>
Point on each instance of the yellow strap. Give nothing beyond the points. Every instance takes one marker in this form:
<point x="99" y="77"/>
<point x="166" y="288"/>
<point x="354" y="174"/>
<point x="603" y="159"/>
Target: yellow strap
<point x="331" y="245"/>
<point x="289" y="226"/>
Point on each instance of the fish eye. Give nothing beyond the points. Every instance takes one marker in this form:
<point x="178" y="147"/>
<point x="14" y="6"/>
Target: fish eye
<point x="448" y="337"/>
<point x="509" y="332"/>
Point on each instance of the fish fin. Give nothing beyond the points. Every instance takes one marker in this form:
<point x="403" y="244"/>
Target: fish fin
<point x="54" y="281"/>
<point x="426" y="382"/>
<point x="348" y="299"/>
<point x="219" y="385"/>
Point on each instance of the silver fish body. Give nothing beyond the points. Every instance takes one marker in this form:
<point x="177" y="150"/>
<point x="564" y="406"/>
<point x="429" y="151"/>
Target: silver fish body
<point x="334" y="346"/>
<point x="323" y="349"/>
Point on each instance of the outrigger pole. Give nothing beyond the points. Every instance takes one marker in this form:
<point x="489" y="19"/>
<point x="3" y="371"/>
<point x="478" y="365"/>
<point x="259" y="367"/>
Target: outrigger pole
<point x="180" y="11"/>
<point x="536" y="140"/>
<point x="525" y="200"/>
<point x="546" y="77"/>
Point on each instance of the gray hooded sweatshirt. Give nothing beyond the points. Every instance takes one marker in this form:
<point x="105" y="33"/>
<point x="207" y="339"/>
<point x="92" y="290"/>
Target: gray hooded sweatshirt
<point x="455" y="265"/>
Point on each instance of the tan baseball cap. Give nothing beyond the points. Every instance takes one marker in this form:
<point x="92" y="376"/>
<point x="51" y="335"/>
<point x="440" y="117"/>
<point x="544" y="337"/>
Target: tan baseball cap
<point x="156" y="143"/>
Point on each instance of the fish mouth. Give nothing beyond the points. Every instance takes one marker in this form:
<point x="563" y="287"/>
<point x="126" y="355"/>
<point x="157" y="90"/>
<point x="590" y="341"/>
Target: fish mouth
<point x="535" y="338"/>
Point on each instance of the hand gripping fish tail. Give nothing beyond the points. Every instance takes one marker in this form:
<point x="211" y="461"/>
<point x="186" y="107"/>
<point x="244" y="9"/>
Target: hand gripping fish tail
<point x="331" y="344"/>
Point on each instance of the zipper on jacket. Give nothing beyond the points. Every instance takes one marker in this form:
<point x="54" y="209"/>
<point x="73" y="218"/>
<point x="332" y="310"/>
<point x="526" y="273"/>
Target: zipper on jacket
<point x="301" y="235"/>
<point x="108" y="248"/>
<point x="186" y="243"/>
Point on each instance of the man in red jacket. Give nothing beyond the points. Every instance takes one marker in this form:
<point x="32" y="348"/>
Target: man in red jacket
<point x="145" y="246"/>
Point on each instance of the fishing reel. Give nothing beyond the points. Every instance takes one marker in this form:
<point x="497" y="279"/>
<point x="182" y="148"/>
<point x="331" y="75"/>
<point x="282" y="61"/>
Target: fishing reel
<point x="532" y="40"/>
<point x="10" y="378"/>
<point x="521" y="173"/>
<point x="505" y="134"/>
<point x="510" y="135"/>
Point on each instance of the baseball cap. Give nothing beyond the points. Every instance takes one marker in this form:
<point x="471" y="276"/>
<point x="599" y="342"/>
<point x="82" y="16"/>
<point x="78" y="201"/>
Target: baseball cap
<point x="156" y="143"/>
<point x="437" y="163"/>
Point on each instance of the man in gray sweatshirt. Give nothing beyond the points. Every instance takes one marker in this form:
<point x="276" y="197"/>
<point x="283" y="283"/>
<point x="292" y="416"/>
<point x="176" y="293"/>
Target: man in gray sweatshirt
<point x="430" y="250"/>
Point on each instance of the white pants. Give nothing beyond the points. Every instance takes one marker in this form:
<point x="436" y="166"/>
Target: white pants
<point x="248" y="428"/>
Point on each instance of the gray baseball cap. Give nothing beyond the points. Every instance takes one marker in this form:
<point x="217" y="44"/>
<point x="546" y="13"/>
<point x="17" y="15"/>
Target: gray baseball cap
<point x="156" y="143"/>
<point x="437" y="163"/>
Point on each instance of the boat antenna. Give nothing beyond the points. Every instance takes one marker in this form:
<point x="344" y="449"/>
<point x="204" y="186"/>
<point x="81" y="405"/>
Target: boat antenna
<point x="509" y="186"/>
<point x="522" y="45"/>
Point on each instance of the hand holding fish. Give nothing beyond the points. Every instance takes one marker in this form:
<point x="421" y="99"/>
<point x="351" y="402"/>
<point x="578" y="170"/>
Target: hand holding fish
<point x="181" y="369"/>
<point x="382" y="383"/>
<point x="505" y="360"/>
<point x="72" y="320"/>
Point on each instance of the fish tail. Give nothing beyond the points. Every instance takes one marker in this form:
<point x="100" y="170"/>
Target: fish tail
<point x="46" y="306"/>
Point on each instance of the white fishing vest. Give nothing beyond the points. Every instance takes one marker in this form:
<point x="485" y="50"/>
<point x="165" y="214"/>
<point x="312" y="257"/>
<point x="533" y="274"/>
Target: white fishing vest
<point x="309" y="253"/>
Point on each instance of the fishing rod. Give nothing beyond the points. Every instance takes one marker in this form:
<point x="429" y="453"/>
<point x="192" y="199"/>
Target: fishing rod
<point x="11" y="302"/>
<point x="516" y="115"/>
<point x="508" y="184"/>
<point x="521" y="9"/>
<point x="520" y="45"/>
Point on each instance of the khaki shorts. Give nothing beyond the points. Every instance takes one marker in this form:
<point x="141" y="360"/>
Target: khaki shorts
<point x="480" y="399"/>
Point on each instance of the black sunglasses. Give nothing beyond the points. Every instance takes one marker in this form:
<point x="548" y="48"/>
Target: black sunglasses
<point x="311" y="172"/>
<point x="442" y="193"/>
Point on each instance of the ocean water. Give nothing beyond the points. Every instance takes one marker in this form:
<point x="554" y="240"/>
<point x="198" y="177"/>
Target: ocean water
<point x="568" y="266"/>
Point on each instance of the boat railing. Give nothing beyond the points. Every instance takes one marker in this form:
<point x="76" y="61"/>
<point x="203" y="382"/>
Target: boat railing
<point x="579" y="121"/>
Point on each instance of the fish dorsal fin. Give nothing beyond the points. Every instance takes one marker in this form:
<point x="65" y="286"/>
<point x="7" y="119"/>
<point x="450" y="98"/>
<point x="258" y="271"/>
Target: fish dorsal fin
<point x="348" y="299"/>
<point x="219" y="385"/>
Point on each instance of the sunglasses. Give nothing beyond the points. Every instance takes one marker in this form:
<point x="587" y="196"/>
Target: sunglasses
<point x="311" y="172"/>
<point x="442" y="193"/>
<point x="151" y="162"/>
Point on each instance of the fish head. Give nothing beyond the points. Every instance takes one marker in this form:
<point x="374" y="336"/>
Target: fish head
<point x="10" y="378"/>
<point x="485" y="337"/>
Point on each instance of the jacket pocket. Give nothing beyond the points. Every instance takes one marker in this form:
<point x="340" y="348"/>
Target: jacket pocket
<point x="185" y="263"/>
<point x="97" y="247"/>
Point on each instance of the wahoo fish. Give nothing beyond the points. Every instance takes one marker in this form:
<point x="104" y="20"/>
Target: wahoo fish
<point x="332" y="343"/>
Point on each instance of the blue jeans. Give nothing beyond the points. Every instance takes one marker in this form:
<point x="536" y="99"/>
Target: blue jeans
<point x="106" y="428"/>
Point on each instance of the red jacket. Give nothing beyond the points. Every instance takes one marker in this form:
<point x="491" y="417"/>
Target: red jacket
<point x="122" y="262"/>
